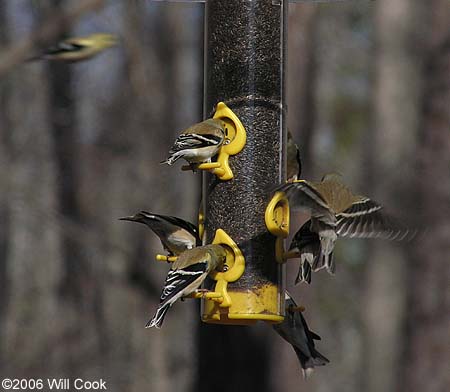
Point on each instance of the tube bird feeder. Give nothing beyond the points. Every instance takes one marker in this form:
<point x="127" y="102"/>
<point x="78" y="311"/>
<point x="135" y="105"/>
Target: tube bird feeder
<point x="244" y="68"/>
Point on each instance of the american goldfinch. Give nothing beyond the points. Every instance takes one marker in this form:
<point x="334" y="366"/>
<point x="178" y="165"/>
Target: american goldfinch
<point x="185" y="276"/>
<point x="80" y="48"/>
<point x="199" y="143"/>
<point x="294" y="163"/>
<point x="336" y="211"/>
<point x="176" y="235"/>
<point x="296" y="332"/>
<point x="306" y="246"/>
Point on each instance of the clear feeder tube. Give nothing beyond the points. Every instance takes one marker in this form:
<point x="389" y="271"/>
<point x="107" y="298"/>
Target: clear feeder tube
<point x="245" y="57"/>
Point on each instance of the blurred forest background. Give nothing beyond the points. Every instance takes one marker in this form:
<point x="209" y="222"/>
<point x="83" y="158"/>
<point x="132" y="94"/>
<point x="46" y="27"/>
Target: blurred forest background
<point x="368" y="96"/>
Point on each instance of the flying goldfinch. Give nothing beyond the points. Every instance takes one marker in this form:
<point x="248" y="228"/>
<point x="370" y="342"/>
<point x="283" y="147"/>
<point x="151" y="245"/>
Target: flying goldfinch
<point x="185" y="276"/>
<point x="296" y="332"/>
<point x="199" y="143"/>
<point x="79" y="48"/>
<point x="336" y="211"/>
<point x="176" y="235"/>
<point x="294" y="163"/>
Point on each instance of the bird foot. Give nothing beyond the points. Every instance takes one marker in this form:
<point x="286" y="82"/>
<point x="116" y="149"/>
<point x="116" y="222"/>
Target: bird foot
<point x="207" y="294"/>
<point x="296" y="309"/>
<point x="190" y="166"/>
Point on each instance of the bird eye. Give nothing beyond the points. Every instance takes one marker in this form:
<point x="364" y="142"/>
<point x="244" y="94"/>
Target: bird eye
<point x="225" y="268"/>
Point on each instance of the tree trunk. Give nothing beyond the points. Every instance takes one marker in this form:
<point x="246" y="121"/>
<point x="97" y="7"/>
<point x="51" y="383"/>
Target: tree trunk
<point x="395" y="120"/>
<point x="427" y="352"/>
<point x="5" y="131"/>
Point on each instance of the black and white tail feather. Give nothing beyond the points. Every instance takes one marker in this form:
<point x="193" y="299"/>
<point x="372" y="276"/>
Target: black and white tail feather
<point x="305" y="244"/>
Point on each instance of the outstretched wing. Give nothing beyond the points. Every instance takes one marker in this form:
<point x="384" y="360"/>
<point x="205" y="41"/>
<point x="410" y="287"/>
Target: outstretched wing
<point x="303" y="195"/>
<point x="365" y="219"/>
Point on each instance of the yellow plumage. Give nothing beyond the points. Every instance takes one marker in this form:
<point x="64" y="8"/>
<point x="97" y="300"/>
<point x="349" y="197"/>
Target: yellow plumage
<point x="79" y="48"/>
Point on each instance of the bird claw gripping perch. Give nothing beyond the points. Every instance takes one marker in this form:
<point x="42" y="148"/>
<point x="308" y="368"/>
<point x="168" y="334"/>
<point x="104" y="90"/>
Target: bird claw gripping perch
<point x="235" y="139"/>
<point x="299" y="309"/>
<point x="209" y="295"/>
<point x="277" y="222"/>
<point x="169" y="259"/>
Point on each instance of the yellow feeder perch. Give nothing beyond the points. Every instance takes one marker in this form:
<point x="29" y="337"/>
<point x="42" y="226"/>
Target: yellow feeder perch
<point x="201" y="222"/>
<point x="169" y="259"/>
<point x="277" y="222"/>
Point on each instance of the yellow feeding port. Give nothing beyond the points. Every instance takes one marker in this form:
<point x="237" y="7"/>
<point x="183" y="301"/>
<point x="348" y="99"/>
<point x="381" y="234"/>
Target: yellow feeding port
<point x="277" y="221"/>
<point x="263" y="303"/>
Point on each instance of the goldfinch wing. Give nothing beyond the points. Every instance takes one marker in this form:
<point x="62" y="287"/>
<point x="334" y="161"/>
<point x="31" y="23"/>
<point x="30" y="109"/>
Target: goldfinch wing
<point x="63" y="47"/>
<point x="174" y="225"/>
<point x="365" y="219"/>
<point x="303" y="195"/>
<point x="178" y="280"/>
<point x="304" y="237"/>
<point x="192" y="140"/>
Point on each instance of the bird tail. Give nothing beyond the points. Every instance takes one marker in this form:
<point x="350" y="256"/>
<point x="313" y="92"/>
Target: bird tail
<point x="304" y="273"/>
<point x="172" y="158"/>
<point x="309" y="363"/>
<point x="158" y="318"/>
<point x="324" y="260"/>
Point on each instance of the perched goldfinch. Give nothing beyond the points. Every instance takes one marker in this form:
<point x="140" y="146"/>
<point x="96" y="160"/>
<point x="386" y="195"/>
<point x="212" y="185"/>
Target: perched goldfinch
<point x="176" y="235"/>
<point x="296" y="332"/>
<point x="336" y="211"/>
<point x="199" y="143"/>
<point x="306" y="246"/>
<point x="185" y="276"/>
<point x="294" y="163"/>
<point x="78" y="49"/>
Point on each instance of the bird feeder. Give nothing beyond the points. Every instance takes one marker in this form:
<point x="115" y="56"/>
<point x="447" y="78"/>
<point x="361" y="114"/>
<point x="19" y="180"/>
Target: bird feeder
<point x="244" y="69"/>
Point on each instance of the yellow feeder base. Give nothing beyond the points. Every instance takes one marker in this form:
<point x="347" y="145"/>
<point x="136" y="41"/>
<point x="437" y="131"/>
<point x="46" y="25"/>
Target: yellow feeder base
<point x="263" y="304"/>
